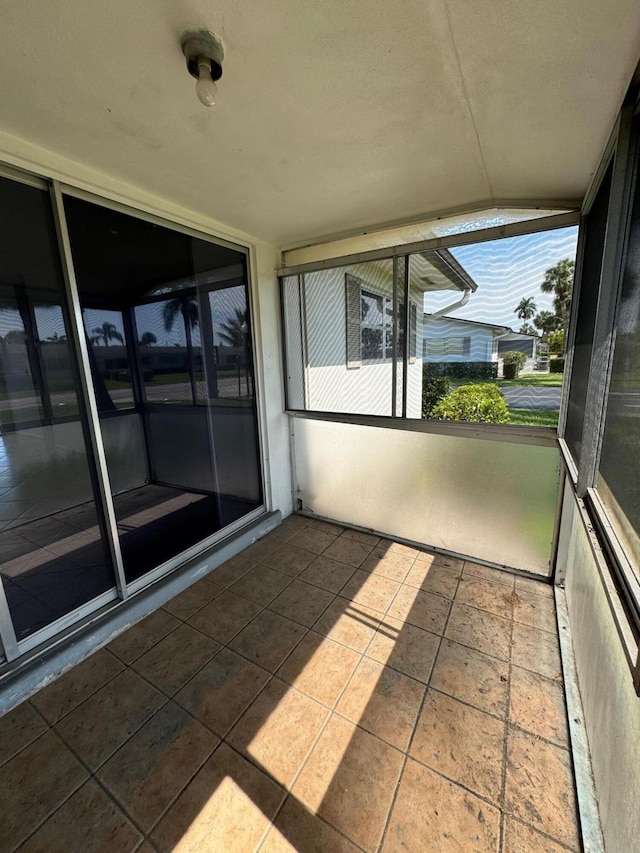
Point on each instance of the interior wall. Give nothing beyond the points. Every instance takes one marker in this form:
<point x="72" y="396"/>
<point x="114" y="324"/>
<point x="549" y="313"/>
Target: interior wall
<point x="611" y="706"/>
<point x="264" y="259"/>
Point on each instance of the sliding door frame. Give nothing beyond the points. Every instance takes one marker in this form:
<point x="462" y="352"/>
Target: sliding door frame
<point x="122" y="590"/>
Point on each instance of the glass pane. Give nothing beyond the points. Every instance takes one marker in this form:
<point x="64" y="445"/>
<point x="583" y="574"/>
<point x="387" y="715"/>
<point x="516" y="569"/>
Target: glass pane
<point x="619" y="479"/>
<point x="21" y="398"/>
<point x="165" y="361"/>
<point x="110" y="365"/>
<point x="54" y="558"/>
<point x="595" y="228"/>
<point x="294" y="341"/>
<point x="184" y="463"/>
<point x="57" y="360"/>
<point x="347" y="342"/>
<point x="491" y="329"/>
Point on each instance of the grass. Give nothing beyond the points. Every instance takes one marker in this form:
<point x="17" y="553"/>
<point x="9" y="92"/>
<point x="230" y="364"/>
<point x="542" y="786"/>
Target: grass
<point x="534" y="417"/>
<point x="536" y="380"/>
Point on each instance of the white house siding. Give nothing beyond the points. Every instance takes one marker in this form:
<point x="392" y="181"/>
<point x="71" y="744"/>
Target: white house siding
<point x="444" y="329"/>
<point x="330" y="385"/>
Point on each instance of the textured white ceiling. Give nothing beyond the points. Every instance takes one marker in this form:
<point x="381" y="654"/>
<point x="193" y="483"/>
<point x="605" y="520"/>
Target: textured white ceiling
<point x="334" y="115"/>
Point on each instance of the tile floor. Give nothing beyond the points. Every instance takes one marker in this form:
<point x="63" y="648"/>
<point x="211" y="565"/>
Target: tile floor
<point x="323" y="692"/>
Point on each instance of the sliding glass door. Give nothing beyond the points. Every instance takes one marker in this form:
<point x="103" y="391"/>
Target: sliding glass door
<point x="166" y="317"/>
<point x="54" y="557"/>
<point x="128" y="422"/>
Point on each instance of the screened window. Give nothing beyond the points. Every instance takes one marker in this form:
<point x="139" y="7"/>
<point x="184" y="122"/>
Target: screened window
<point x="468" y="308"/>
<point x="619" y="476"/>
<point x="595" y="226"/>
<point x="441" y="347"/>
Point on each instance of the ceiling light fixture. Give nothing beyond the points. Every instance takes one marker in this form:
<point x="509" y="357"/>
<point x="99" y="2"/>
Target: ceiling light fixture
<point x="204" y="54"/>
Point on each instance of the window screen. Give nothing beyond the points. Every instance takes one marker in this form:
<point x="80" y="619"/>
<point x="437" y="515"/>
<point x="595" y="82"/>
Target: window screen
<point x="595" y="230"/>
<point x="619" y="475"/>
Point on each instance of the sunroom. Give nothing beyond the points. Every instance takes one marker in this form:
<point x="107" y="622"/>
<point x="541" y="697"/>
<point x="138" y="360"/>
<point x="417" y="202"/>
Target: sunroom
<point x="319" y="420"/>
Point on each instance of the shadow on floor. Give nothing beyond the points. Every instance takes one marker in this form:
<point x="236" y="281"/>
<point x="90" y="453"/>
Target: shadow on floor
<point x="323" y="691"/>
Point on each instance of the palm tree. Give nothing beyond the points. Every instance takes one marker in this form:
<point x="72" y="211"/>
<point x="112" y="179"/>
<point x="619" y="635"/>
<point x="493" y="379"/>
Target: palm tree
<point x="559" y="281"/>
<point x="234" y="331"/>
<point x="547" y="322"/>
<point x="187" y="307"/>
<point x="55" y="338"/>
<point x="526" y="308"/>
<point x="106" y="332"/>
<point x="147" y="339"/>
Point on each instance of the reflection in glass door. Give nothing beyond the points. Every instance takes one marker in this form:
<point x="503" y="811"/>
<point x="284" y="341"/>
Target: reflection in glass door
<point x="53" y="553"/>
<point x="167" y="318"/>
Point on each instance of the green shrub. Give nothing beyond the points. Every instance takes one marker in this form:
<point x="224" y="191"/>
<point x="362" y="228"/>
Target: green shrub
<point x="434" y="388"/>
<point x="513" y="362"/>
<point x="482" y="403"/>
<point x="556" y="365"/>
<point x="462" y="369"/>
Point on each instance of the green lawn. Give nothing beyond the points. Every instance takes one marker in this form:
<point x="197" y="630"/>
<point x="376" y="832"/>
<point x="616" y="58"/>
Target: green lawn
<point x="540" y="380"/>
<point x="537" y="380"/>
<point x="534" y="417"/>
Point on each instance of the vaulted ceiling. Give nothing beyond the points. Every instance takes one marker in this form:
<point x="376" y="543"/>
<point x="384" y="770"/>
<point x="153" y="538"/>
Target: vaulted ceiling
<point x="333" y="115"/>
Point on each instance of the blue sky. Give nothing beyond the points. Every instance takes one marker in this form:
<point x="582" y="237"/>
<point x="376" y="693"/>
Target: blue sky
<point x="505" y="271"/>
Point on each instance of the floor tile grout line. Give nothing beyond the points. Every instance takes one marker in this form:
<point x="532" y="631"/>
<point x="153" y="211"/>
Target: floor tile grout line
<point x="545" y="835"/>
<point x="468" y="704"/>
<point x="322" y="820"/>
<point x="509" y="618"/>
<point x="505" y="745"/>
<point x="407" y="752"/>
<point x="93" y="772"/>
<point x="132" y="627"/>
<point x="26" y="745"/>
<point x="362" y="654"/>
<point x="88" y="696"/>
<point x="330" y="713"/>
<point x="50" y="815"/>
<point x="147" y="833"/>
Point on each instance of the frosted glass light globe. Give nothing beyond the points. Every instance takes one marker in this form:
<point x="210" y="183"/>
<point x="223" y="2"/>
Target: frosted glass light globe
<point x="206" y="89"/>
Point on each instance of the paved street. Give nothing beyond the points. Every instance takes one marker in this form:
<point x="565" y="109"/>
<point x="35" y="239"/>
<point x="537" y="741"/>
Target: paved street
<point x="532" y="397"/>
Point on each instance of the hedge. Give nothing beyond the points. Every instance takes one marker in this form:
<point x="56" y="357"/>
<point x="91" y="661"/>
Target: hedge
<point x="461" y="369"/>
<point x="556" y="365"/>
<point x="513" y="362"/>
<point x="434" y="388"/>
<point x="482" y="403"/>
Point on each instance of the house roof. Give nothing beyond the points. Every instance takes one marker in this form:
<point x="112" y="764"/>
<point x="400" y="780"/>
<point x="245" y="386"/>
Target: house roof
<point x="333" y="116"/>
<point x="437" y="269"/>
<point x="503" y="329"/>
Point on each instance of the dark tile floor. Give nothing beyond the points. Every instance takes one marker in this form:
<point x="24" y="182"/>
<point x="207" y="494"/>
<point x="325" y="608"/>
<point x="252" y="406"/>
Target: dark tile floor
<point x="53" y="565"/>
<point x="323" y="691"/>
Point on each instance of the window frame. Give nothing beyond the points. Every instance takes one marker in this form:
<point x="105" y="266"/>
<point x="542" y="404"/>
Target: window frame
<point x="623" y="150"/>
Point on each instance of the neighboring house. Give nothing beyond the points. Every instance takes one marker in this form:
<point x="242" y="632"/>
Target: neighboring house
<point x="451" y="339"/>
<point x="349" y="335"/>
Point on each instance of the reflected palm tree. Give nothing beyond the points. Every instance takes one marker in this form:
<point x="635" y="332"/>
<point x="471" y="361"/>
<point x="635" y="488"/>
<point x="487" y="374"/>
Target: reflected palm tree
<point x="187" y="307"/>
<point x="106" y="332"/>
<point x="234" y="332"/>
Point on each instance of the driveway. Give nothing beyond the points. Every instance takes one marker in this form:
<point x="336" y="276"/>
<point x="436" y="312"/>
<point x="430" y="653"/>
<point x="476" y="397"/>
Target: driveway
<point x="532" y="397"/>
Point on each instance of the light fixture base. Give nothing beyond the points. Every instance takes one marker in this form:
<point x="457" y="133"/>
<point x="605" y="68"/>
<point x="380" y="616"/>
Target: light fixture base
<point x="196" y="43"/>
